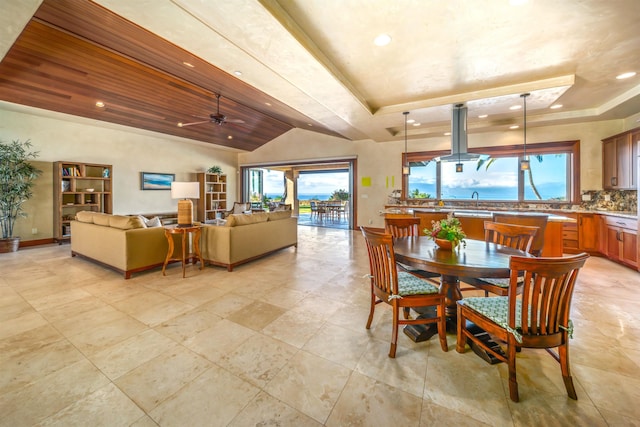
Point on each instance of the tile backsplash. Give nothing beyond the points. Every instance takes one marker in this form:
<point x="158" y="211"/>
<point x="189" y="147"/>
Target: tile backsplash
<point x="610" y="200"/>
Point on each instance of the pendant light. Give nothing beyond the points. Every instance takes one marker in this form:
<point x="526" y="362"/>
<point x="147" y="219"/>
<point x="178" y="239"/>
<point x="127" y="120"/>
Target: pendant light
<point x="524" y="163"/>
<point x="405" y="166"/>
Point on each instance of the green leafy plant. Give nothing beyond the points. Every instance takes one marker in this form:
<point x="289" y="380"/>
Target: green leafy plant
<point x="447" y="229"/>
<point x="17" y="177"/>
<point x="215" y="169"/>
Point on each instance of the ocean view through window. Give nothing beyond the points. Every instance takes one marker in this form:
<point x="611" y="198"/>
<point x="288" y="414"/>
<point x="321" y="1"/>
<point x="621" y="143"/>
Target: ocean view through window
<point x="497" y="176"/>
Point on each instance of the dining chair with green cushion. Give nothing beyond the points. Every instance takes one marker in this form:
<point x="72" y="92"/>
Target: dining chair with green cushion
<point x="515" y="236"/>
<point x="530" y="220"/>
<point x="407" y="227"/>
<point x="539" y="317"/>
<point x="400" y="289"/>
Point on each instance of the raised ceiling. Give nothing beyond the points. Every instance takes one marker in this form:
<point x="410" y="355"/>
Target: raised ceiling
<point x="315" y="63"/>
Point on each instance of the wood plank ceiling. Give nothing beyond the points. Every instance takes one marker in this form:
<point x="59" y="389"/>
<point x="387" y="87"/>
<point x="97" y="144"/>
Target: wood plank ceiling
<point x="74" y="53"/>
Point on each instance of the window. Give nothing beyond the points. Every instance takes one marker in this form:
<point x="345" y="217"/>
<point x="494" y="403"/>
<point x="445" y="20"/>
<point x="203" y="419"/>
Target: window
<point x="497" y="176"/>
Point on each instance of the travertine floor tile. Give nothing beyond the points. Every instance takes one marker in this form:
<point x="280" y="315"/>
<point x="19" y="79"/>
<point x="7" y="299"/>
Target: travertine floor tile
<point x="282" y="341"/>
<point x="156" y="380"/>
<point x="213" y="399"/>
<point x="309" y="384"/>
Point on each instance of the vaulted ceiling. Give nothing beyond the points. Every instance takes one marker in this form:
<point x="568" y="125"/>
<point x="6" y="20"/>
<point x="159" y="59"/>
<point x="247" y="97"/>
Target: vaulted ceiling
<point x="312" y="64"/>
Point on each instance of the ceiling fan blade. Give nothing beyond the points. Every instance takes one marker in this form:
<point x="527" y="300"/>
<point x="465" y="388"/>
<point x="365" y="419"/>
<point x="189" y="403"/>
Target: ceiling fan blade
<point x="181" y="125"/>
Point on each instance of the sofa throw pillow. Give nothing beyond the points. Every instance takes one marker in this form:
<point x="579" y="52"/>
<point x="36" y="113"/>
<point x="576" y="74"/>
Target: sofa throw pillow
<point x="143" y="220"/>
<point x="239" y="208"/>
<point x="153" y="222"/>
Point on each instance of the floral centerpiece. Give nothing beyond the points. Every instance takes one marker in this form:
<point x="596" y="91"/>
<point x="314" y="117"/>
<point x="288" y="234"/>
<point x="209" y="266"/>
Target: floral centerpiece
<point x="447" y="233"/>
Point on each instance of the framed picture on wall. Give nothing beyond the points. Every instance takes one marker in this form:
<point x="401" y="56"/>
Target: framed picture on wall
<point x="156" y="181"/>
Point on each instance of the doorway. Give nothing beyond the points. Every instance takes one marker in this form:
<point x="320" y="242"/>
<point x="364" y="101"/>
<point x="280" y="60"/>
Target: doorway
<point x="321" y="194"/>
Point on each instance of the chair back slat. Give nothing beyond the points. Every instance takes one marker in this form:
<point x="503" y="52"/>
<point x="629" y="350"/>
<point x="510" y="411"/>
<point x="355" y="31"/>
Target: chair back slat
<point x="402" y="227"/>
<point x="546" y="293"/>
<point x="382" y="263"/>
<point x="515" y="236"/>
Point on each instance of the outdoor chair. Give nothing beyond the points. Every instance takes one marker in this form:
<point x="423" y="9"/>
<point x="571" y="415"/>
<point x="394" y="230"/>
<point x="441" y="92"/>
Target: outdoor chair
<point x="537" y="318"/>
<point x="399" y="289"/>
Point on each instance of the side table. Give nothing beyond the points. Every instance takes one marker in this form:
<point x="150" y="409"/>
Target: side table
<point x="187" y="256"/>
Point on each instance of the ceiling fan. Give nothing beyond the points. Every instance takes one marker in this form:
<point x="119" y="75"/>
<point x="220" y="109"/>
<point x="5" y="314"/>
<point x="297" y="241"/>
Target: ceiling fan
<point x="216" y="118"/>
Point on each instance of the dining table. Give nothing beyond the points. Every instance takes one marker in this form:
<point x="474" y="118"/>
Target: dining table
<point x="472" y="258"/>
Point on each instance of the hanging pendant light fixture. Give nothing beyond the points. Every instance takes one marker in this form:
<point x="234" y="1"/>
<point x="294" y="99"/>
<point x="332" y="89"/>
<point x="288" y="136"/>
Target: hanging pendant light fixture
<point x="459" y="165"/>
<point x="524" y="163"/>
<point x="405" y="166"/>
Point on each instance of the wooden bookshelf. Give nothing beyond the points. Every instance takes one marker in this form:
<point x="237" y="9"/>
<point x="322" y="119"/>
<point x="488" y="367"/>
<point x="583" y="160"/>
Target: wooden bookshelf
<point x="213" y="196"/>
<point x="79" y="187"/>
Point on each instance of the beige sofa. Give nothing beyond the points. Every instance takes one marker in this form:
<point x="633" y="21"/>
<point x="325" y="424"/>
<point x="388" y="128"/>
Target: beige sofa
<point x="120" y="242"/>
<point x="245" y="237"/>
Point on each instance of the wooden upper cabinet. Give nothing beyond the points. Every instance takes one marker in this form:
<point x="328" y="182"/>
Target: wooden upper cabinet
<point x="619" y="153"/>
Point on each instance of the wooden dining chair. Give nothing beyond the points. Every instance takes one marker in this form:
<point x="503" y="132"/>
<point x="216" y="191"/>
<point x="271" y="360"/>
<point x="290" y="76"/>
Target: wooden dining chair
<point x="530" y="220"/>
<point x="407" y="227"/>
<point x="537" y="318"/>
<point x="400" y="289"/>
<point x="515" y="236"/>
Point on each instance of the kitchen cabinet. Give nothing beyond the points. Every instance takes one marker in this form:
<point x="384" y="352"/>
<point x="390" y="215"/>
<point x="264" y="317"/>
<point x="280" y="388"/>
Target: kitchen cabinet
<point x="621" y="240"/>
<point x="582" y="235"/>
<point x="619" y="154"/>
<point x="588" y="232"/>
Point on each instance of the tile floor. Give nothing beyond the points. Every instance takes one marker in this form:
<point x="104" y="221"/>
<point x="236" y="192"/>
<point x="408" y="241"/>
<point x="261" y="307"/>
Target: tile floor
<point x="281" y="341"/>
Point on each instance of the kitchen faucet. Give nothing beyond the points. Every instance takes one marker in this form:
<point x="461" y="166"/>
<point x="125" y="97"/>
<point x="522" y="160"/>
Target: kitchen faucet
<point x="477" y="195"/>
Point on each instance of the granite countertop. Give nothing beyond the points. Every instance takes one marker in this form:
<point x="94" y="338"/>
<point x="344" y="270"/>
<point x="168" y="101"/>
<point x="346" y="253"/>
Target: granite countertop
<point x="556" y="214"/>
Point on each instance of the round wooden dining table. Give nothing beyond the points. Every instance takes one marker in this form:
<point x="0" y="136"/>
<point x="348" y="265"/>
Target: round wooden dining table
<point x="477" y="259"/>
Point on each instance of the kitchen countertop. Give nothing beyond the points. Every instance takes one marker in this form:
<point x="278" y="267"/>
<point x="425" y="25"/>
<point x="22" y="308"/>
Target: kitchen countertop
<point x="555" y="214"/>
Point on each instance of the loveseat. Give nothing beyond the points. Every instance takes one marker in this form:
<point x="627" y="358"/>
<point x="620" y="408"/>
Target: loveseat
<point x="123" y="243"/>
<point x="245" y="237"/>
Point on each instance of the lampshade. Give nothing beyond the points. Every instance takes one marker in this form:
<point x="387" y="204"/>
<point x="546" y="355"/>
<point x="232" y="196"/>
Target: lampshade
<point x="185" y="191"/>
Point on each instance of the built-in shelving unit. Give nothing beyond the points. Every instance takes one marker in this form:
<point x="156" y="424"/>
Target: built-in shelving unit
<point x="213" y="196"/>
<point x="79" y="187"/>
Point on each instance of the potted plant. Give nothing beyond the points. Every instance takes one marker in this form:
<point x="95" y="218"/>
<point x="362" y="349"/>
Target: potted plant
<point x="17" y="177"/>
<point x="215" y="169"/>
<point x="447" y="233"/>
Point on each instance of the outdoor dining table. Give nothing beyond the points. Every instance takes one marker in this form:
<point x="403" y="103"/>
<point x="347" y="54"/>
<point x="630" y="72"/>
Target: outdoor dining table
<point x="475" y="259"/>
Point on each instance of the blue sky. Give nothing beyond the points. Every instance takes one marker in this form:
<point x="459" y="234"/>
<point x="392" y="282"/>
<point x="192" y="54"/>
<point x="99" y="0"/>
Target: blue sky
<point x="320" y="183"/>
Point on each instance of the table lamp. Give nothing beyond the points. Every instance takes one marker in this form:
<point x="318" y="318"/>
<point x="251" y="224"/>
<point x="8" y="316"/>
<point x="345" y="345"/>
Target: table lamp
<point x="185" y="191"/>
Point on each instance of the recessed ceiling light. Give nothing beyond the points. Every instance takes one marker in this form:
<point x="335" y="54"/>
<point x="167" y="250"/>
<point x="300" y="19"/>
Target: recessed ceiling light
<point x="515" y="107"/>
<point x="237" y="73"/>
<point x="626" y="75"/>
<point x="514" y="127"/>
<point x="411" y="121"/>
<point x="382" y="40"/>
<point x="230" y="137"/>
<point x="268" y="104"/>
<point x="483" y="116"/>
<point x="447" y="133"/>
<point x="556" y="106"/>
<point x="309" y="124"/>
<point x="188" y="64"/>
<point x="417" y="124"/>
<point x="180" y="124"/>
<point x="100" y="104"/>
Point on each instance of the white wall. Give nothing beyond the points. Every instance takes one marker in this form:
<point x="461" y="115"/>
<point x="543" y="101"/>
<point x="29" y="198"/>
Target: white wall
<point x="57" y="137"/>
<point x="382" y="161"/>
